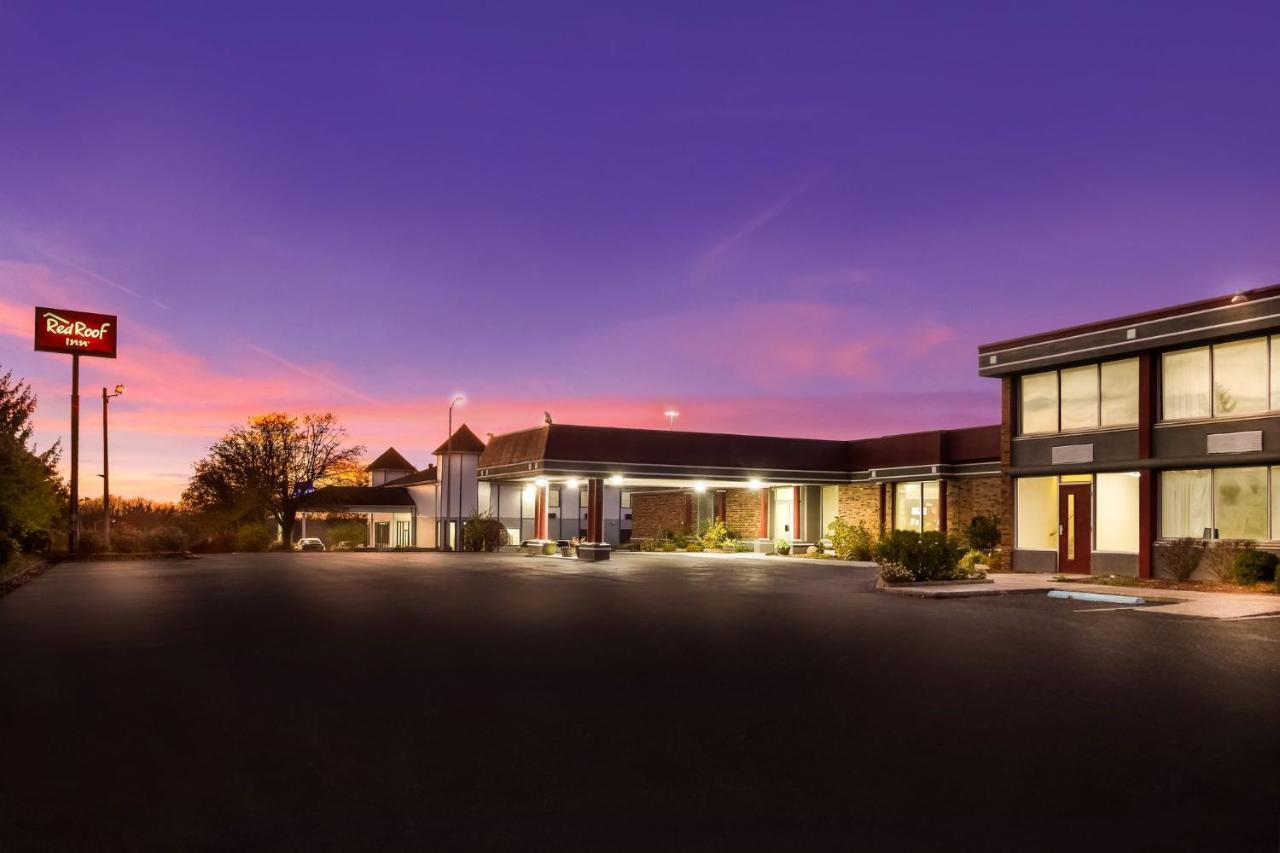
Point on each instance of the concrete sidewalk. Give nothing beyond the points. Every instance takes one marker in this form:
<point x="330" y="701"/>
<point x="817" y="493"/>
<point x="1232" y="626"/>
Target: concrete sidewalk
<point x="1209" y="605"/>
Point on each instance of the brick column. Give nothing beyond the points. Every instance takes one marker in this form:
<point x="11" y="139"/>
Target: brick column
<point x="540" y="512"/>
<point x="595" y="510"/>
<point x="942" y="506"/>
<point x="719" y="504"/>
<point x="795" y="513"/>
<point x="1006" y="460"/>
<point x="763" y="532"/>
<point x="1146" y="477"/>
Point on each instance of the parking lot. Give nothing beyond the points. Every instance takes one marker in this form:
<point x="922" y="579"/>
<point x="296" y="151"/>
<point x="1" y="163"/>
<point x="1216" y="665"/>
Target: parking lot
<point x="355" y="701"/>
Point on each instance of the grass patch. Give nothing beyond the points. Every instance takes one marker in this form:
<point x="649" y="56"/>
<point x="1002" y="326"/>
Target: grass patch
<point x="1261" y="588"/>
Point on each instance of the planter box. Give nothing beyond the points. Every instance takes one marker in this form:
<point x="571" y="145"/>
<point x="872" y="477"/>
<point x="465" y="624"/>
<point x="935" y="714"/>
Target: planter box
<point x="763" y="546"/>
<point x="594" y="553"/>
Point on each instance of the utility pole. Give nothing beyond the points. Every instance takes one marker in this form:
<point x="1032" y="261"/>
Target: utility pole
<point x="106" y="471"/>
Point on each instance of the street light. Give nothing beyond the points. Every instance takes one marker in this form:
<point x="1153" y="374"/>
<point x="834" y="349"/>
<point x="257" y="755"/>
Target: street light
<point x="448" y="460"/>
<point x="671" y="414"/>
<point x="106" y="471"/>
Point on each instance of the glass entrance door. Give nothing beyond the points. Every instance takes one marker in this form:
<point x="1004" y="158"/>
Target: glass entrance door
<point x="783" y="513"/>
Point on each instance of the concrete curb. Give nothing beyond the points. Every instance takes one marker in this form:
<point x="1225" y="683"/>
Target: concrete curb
<point x="954" y="589"/>
<point x="32" y="572"/>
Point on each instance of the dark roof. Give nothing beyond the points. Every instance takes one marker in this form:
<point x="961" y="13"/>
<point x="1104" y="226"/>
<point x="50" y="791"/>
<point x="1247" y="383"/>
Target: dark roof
<point x="1130" y="319"/>
<point x="464" y="441"/>
<point x="426" y="475"/>
<point x="390" y="460"/>
<point x="332" y="497"/>
<point x="707" y="450"/>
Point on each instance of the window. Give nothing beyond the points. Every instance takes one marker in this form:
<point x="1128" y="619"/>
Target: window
<point x="1039" y="403"/>
<point x="1079" y="392"/>
<point x="1080" y="398"/>
<point x="1225" y="380"/>
<point x="1116" y="519"/>
<point x="1240" y="503"/>
<point x="917" y="506"/>
<point x="1186" y="503"/>
<point x="553" y="498"/>
<point x="1240" y="378"/>
<point x="626" y="500"/>
<point x="1120" y="390"/>
<point x="1185" y="379"/>
<point x="1235" y="502"/>
<point x="1037" y="513"/>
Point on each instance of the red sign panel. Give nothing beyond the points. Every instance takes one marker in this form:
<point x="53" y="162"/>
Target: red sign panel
<point x="77" y="332"/>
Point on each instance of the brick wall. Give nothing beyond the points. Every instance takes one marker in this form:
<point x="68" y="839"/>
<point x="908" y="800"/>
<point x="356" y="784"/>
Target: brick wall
<point x="859" y="503"/>
<point x="1006" y="459"/>
<point x="742" y="512"/>
<point x="972" y="496"/>
<point x="655" y="512"/>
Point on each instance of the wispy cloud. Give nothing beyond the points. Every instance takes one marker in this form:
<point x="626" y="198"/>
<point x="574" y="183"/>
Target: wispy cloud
<point x="310" y="373"/>
<point x="708" y="259"/>
<point x="96" y="276"/>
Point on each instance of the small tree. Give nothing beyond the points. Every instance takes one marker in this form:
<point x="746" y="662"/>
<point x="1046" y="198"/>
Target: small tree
<point x="32" y="497"/>
<point x="983" y="533"/>
<point x="1180" y="557"/>
<point x="715" y="534"/>
<point x="849" y="541"/>
<point x="483" y="532"/>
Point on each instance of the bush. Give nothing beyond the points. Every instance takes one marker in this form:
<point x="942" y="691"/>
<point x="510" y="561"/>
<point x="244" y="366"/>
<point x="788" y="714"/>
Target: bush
<point x="715" y="534"/>
<point x="693" y="547"/>
<point x="90" y="542"/>
<point x="1181" y="557"/>
<point x="740" y="547"/>
<point x="483" y="532"/>
<point x="983" y="533"/>
<point x="931" y="556"/>
<point x="165" y="539"/>
<point x="8" y="549"/>
<point x="125" y="539"/>
<point x="254" y="537"/>
<point x="782" y="547"/>
<point x="1254" y="566"/>
<point x="850" y="542"/>
<point x="668" y="546"/>
<point x="1222" y="556"/>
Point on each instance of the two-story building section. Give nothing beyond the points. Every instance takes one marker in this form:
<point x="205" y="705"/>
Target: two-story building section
<point x="1119" y="434"/>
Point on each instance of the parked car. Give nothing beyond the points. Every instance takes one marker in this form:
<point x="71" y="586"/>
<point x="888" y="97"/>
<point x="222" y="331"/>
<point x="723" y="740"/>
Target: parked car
<point x="309" y="544"/>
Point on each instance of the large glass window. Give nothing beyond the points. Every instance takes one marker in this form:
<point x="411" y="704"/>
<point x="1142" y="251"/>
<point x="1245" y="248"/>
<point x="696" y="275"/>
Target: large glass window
<point x="1116" y="520"/>
<point x="1079" y="391"/>
<point x="917" y="506"/>
<point x="1039" y="395"/>
<point x="1037" y="513"/>
<point x="1080" y="398"/>
<point x="1186" y="503"/>
<point x="1240" y="377"/>
<point x="1240" y="503"/>
<point x="1120" y="392"/>
<point x="1225" y="380"/>
<point x="1185" y="379"/>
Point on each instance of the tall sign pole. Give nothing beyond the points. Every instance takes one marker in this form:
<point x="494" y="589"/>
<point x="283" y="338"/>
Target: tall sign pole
<point x="73" y="535"/>
<point x="75" y="333"/>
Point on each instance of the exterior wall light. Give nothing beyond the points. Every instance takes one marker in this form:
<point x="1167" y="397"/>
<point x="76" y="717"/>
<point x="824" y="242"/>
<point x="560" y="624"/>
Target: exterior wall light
<point x="541" y="482"/>
<point x="572" y="483"/>
<point x="754" y="484"/>
<point x="615" y="480"/>
<point x="699" y="487"/>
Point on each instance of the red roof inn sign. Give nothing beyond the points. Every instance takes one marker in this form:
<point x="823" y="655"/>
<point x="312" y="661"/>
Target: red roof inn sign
<point x="75" y="332"/>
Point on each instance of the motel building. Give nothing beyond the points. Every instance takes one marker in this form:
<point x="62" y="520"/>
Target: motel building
<point x="1119" y="434"/>
<point x="1114" y="436"/>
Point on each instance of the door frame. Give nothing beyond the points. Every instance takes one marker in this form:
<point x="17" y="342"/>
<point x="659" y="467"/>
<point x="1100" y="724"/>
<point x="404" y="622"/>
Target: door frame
<point x="1078" y="497"/>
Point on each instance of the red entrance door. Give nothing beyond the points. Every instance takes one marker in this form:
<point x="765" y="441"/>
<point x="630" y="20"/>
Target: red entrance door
<point x="1075" y="528"/>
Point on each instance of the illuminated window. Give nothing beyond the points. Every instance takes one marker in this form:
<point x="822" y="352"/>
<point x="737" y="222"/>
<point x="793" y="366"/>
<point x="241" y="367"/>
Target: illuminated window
<point x="1225" y="380"/>
<point x="1039" y="395"/>
<point x="1120" y="390"/>
<point x="1240" y="377"/>
<point x="1186" y="503"/>
<point x="1079" y="392"/>
<point x="1037" y="513"/>
<point x="917" y="506"/>
<point x="1116" y="521"/>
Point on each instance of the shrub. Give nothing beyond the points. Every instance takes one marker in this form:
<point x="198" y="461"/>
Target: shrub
<point x="693" y="547"/>
<point x="8" y="549"/>
<point x="668" y="546"/>
<point x="782" y="546"/>
<point x="1180" y="557"/>
<point x="850" y="542"/>
<point x="165" y="539"/>
<point x="125" y="539"/>
<point x="646" y="544"/>
<point x="254" y="537"/>
<point x="1222" y="556"/>
<point x="483" y="532"/>
<point x="90" y="542"/>
<point x="1254" y="566"/>
<point x="715" y="534"/>
<point x="740" y="547"/>
<point x="983" y="533"/>
<point x="931" y="556"/>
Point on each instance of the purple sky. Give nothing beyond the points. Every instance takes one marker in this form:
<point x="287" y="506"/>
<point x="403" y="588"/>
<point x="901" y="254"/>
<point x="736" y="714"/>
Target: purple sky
<point x="797" y="220"/>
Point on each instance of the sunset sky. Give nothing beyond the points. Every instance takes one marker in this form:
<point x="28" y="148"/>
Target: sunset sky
<point x="797" y="220"/>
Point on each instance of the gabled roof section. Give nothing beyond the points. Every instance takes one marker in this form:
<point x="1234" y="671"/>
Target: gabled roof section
<point x="464" y="441"/>
<point x="425" y="476"/>
<point x="527" y="445"/>
<point x="390" y="460"/>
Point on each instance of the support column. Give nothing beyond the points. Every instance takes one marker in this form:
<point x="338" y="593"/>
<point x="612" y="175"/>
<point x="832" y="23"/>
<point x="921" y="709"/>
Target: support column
<point x="795" y="514"/>
<point x="595" y="510"/>
<point x="942" y="507"/>
<point x="884" y="507"/>
<point x="540" y="512"/>
<point x="1146" y="477"/>
<point x="764" y="514"/>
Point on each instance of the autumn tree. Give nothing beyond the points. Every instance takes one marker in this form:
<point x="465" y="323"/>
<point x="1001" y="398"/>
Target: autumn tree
<point x="31" y="494"/>
<point x="268" y="465"/>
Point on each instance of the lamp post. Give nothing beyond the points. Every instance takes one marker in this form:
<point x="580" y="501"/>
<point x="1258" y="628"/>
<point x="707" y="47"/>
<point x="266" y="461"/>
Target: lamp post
<point x="671" y="414"/>
<point x="106" y="471"/>
<point x="448" y="460"/>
